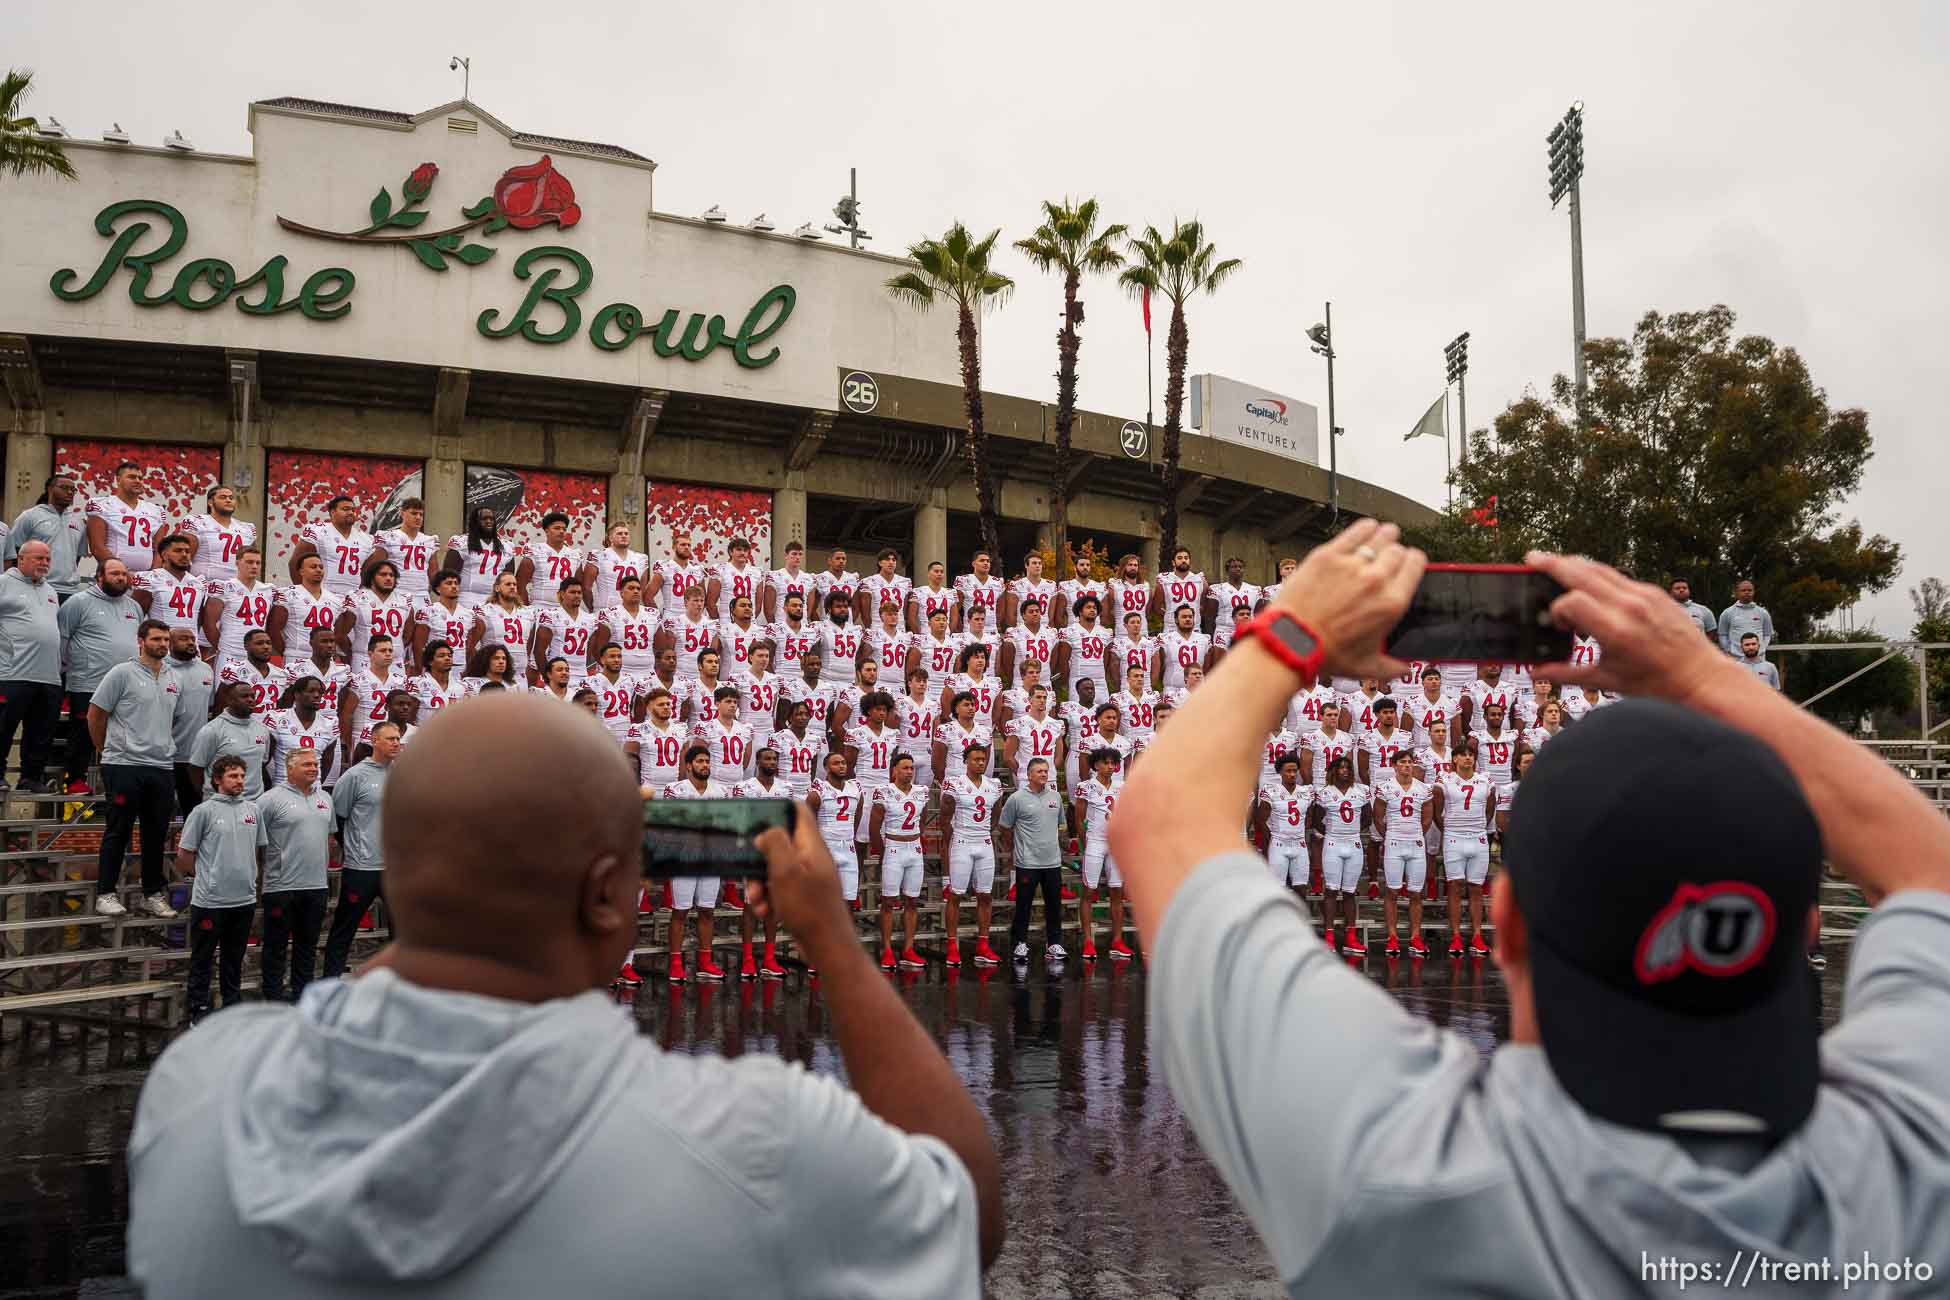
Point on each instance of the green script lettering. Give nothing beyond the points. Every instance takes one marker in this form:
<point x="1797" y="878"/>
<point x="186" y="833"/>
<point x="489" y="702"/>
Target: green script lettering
<point x="543" y="290"/>
<point x="121" y="253"/>
<point x="750" y="332"/>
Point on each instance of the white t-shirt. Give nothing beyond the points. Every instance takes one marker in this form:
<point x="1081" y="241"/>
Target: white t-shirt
<point x="412" y="556"/>
<point x="217" y="546"/>
<point x="344" y="555"/>
<point x="1286" y="817"/>
<point x="132" y="530"/>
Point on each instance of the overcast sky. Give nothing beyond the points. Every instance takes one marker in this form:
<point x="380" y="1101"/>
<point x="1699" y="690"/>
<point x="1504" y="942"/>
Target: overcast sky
<point x="1787" y="159"/>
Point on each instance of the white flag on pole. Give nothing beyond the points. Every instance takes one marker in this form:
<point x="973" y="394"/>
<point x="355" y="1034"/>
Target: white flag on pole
<point x="1432" y="421"/>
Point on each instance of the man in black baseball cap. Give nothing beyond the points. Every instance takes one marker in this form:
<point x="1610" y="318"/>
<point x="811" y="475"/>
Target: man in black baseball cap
<point x="1665" y="866"/>
<point x="1665" y="1113"/>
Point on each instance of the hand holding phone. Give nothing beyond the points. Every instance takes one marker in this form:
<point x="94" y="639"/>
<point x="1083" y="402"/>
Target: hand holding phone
<point x="710" y="837"/>
<point x="1482" y="613"/>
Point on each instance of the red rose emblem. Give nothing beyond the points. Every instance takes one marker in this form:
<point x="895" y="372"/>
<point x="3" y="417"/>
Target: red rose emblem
<point x="420" y="182"/>
<point x="531" y="196"/>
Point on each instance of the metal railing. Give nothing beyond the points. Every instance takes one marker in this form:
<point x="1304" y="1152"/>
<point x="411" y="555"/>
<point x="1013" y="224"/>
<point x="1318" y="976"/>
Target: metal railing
<point x="1917" y="652"/>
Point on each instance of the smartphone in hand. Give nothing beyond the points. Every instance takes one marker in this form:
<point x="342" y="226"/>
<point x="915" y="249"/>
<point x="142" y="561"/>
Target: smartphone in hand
<point x="709" y="837"/>
<point x="1482" y="613"/>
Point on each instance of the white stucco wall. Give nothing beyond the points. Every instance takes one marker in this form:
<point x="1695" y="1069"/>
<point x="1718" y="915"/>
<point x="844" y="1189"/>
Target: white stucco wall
<point x="324" y="173"/>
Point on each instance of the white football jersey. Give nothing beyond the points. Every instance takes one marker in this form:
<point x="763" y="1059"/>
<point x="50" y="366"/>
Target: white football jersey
<point x="874" y="752"/>
<point x="1094" y="740"/>
<point x="1407" y="686"/>
<point x="344" y="554"/>
<point x="1357" y="712"/>
<point x="928" y="600"/>
<point x="736" y="644"/>
<point x="986" y="690"/>
<point x="784" y="582"/>
<point x="1278" y="746"/>
<point x="1043" y="590"/>
<point x="690" y="639"/>
<point x="826" y="583"/>
<point x="289" y="732"/>
<point x="568" y="637"/>
<point x="734" y="582"/>
<point x="984" y="594"/>
<point x="821" y="698"/>
<point x="1034" y="740"/>
<point x="1506" y="796"/>
<point x="758" y="703"/>
<point x="176" y="601"/>
<point x="678" y="579"/>
<point x="1382" y="750"/>
<point x="513" y="628"/>
<point x="1181" y="592"/>
<point x="1303" y="711"/>
<point x="1342" y="809"/>
<point x="1465" y="804"/>
<point x="1458" y="678"/>
<point x="839" y="648"/>
<point x="412" y="556"/>
<point x="917" y="719"/>
<point x="132" y="530"/>
<point x="266" y="687"/>
<point x="1482" y="695"/>
<point x="1435" y="763"/>
<point x="753" y="788"/>
<point x="1137" y="714"/>
<point x="800" y="758"/>
<point x="552" y="569"/>
<point x="1421" y="711"/>
<point x="1402" y="805"/>
<point x="1039" y="644"/>
<point x="1126" y="598"/>
<point x="938" y="657"/>
<point x="889" y="650"/>
<point x="974" y="805"/>
<point x="478" y="569"/>
<point x="659" y="751"/>
<point x="303" y="612"/>
<point x="1496" y="756"/>
<point x="1099" y="802"/>
<point x="245" y="610"/>
<point x="1575" y="705"/>
<point x="433" y="696"/>
<point x="684" y="789"/>
<point x="611" y="569"/>
<point x="371" y="692"/>
<point x="444" y="624"/>
<point x="1071" y="590"/>
<point x="1231" y="600"/>
<point x="1535" y="737"/>
<point x="884" y="591"/>
<point x="1089" y="647"/>
<point x="1128" y="654"/>
<point x="618" y="699"/>
<point x="956" y="741"/>
<point x="732" y="749"/>
<point x="333" y="678"/>
<point x="1286" y="816"/>
<point x="1325" y="749"/>
<point x="217" y="546"/>
<point x="790" y="645"/>
<point x="1077" y="719"/>
<point x="371" y="614"/>
<point x="903" y="809"/>
<point x="1182" y="652"/>
<point x="839" y="811"/>
<point x="1585" y="651"/>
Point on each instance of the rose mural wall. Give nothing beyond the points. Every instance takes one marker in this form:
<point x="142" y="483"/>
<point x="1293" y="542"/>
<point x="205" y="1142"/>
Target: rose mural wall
<point x="711" y="515"/>
<point x="175" y="476"/>
<point x="300" y="483"/>
<point x="520" y="497"/>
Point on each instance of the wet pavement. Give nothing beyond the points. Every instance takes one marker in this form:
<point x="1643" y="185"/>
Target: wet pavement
<point x="1107" y="1193"/>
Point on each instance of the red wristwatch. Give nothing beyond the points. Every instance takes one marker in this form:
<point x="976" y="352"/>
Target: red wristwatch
<point x="1287" y="639"/>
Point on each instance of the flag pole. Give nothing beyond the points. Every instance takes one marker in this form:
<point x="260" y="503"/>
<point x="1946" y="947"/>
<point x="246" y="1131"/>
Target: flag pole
<point x="1448" y="466"/>
<point x="1147" y="363"/>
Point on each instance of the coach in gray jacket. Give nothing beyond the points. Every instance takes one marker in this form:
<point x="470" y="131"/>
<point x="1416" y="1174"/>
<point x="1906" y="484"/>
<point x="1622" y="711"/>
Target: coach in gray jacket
<point x="30" y="663"/>
<point x="1665" y="1102"/>
<point x="63" y="525"/>
<point x="1742" y="617"/>
<point x="97" y="632"/>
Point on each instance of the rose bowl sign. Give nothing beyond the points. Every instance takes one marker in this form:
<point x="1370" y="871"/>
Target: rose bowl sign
<point x="1253" y="417"/>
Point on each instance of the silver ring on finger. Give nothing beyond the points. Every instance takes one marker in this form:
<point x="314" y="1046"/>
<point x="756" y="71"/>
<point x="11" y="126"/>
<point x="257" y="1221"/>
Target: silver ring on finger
<point x="1367" y="553"/>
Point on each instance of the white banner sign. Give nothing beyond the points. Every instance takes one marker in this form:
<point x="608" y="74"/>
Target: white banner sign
<point x="1253" y="417"/>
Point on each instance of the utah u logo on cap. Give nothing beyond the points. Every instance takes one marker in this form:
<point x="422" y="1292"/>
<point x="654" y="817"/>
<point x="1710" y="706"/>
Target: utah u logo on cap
<point x="1721" y="929"/>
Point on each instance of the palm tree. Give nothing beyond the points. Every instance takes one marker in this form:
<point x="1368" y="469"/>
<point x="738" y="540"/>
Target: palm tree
<point x="1069" y="242"/>
<point x="1177" y="265"/>
<point x="955" y="267"/>
<point x="23" y="149"/>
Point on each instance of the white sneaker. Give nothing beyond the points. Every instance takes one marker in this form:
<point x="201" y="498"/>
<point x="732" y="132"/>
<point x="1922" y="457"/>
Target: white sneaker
<point x="1055" y="952"/>
<point x="109" y="905"/>
<point x="1022" y="952"/>
<point x="158" y="905"/>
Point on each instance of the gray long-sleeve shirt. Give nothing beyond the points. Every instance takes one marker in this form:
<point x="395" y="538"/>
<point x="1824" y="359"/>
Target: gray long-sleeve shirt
<point x="66" y="535"/>
<point x="1037" y="819"/>
<point x="30" y="630"/>
<point x="141" y="708"/>
<point x="356" y="804"/>
<point x="1428" y="1142"/>
<point x="297" y="836"/>
<point x="247" y="738"/>
<point x="97" y="632"/>
<point x="223" y="832"/>
<point x="1737" y="620"/>
<point x="195" y="680"/>
<point x="1703" y="616"/>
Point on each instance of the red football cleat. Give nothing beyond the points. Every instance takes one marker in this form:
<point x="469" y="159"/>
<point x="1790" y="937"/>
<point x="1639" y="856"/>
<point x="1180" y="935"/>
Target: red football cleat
<point x="954" y="956"/>
<point x="1416" y="948"/>
<point x="1328" y="939"/>
<point x="1351" y="943"/>
<point x="771" y="970"/>
<point x="1394" y="948"/>
<point x="1486" y="891"/>
<point x="1456" y="946"/>
<point x="1121" y="951"/>
<point x="628" y="974"/>
<point x="1478" y="947"/>
<point x="1012" y="893"/>
<point x="913" y="960"/>
<point x="1374" y="889"/>
<point x="644" y="906"/>
<point x="709" y="970"/>
<point x="985" y="955"/>
<point x="1069" y="894"/>
<point x="733" y="899"/>
<point x="887" y="957"/>
<point x="676" y="970"/>
<point x="748" y="969"/>
<point x="1090" y="950"/>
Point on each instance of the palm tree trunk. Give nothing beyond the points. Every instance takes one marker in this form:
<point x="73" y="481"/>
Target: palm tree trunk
<point x="978" y="450"/>
<point x="1177" y="345"/>
<point x="1067" y="344"/>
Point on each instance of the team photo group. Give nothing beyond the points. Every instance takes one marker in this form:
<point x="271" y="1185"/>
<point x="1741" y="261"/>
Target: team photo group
<point x="973" y="726"/>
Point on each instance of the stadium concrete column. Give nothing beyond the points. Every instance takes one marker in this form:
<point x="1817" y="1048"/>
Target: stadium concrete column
<point x="445" y="482"/>
<point x="30" y="451"/>
<point x="931" y="531"/>
<point x="243" y="453"/>
<point x="1149" y="551"/>
<point x="788" y="515"/>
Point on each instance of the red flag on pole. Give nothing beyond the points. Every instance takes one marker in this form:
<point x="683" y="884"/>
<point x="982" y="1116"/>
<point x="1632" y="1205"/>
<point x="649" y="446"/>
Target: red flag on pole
<point x="1484" y="516"/>
<point x="1147" y="313"/>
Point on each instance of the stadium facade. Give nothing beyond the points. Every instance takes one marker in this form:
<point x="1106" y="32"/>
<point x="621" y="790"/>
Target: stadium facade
<point x="436" y="304"/>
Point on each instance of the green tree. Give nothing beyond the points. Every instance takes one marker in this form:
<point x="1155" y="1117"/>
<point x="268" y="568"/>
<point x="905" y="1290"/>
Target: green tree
<point x="1704" y="456"/>
<point x="1887" y="689"/>
<point x="24" y="151"/>
<point x="1931" y="599"/>
<point x="955" y="268"/>
<point x="1069" y="244"/>
<point x="1178" y="265"/>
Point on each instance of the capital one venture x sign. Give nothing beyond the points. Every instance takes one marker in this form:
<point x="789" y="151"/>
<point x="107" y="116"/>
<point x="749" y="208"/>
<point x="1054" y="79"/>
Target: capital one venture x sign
<point x="1252" y="417"/>
<point x="551" y="279"/>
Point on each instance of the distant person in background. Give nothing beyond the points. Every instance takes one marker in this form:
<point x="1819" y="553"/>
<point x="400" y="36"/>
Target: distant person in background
<point x="297" y="819"/>
<point x="478" y="556"/>
<point x="356" y="805"/>
<point x="547" y="562"/>
<point x="1744" y="616"/>
<point x="1682" y="593"/>
<point x="57" y="520"/>
<point x="170" y="591"/>
<point x="219" y="847"/>
<point x="615" y="562"/>
<point x="197" y="684"/>
<point x="122" y="525"/>
<point x="235" y="730"/>
<point x="30" y="664"/>
<point x="132" y="721"/>
<point x="97" y="632"/>
<point x="1750" y="660"/>
<point x="1033" y="813"/>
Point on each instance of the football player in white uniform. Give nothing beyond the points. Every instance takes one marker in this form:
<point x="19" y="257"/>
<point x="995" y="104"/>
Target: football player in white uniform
<point x="658" y="742"/>
<point x="410" y="548"/>
<point x="441" y="618"/>
<point x="267" y="681"/>
<point x="1550" y="721"/>
<point x="1093" y="801"/>
<point x="1127" y="593"/>
<point x="170" y="592"/>
<point x="759" y="693"/>
<point x="1358" y="707"/>
<point x="699" y="893"/>
<point x="729" y="739"/>
<point x="301" y="609"/>
<point x="615" y="562"/>
<point x="842" y="646"/>
<point x="887" y="644"/>
<point x="978" y="589"/>
<point x="802" y="747"/>
<point x="362" y="700"/>
<point x="977" y="630"/>
<point x="1506" y="795"/>
<point x="543" y="565"/>
<point x="1074" y="588"/>
<point x="689" y="631"/>
<point x="504" y="621"/>
<point x="1030" y="638"/>
<point x="1086" y="643"/>
<point x="565" y="629"/>
<point x="218" y="536"/>
<point x="1284" y="803"/>
<point x="236" y="606"/>
<point x="437" y="684"/>
<point x="1342" y="810"/>
<point x="739" y="635"/>
<point x="915" y="715"/>
<point x="934" y="650"/>
<point x="835" y="580"/>
<point x="122" y="525"/>
<point x="1181" y="647"/>
<point x="1079" y="715"/>
<point x="790" y="580"/>
<point x="1404" y="808"/>
<point x="340" y="544"/>
<point x="765" y="783"/>
<point x="1224" y="601"/>
<point x="934" y="595"/>
<point x="1137" y="706"/>
<point x="882" y="587"/>
<point x="899" y="807"/>
<point x="1491" y="688"/>
<point x="972" y="676"/>
<point x="1464" y="801"/>
<point x="672" y="579"/>
<point x="378" y="606"/>
<point x="968" y="803"/>
<point x="963" y="730"/>
<point x="871" y="744"/>
<point x="1496" y="746"/>
<point x="838" y="803"/>
<point x="1431" y="704"/>
<point x="302" y="723"/>
<point x="1032" y="585"/>
<point x="736" y="577"/>
<point x="1179" y="588"/>
<point x="1035" y="734"/>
